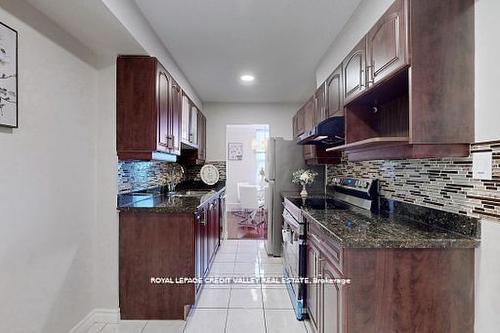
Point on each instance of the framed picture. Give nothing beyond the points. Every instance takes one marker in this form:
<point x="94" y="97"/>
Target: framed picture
<point x="8" y="77"/>
<point x="234" y="151"/>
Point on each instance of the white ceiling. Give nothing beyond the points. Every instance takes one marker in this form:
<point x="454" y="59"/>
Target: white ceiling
<point x="279" y="41"/>
<point x="88" y="21"/>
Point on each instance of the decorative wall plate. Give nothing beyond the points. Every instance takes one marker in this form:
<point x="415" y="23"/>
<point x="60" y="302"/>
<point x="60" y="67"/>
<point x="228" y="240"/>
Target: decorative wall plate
<point x="209" y="174"/>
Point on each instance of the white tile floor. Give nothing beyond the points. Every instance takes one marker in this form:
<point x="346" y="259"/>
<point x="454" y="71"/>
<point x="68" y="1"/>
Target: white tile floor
<point x="236" y="308"/>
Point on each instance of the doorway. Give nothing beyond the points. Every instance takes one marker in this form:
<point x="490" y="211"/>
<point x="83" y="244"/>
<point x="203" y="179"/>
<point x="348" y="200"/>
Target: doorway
<point x="245" y="186"/>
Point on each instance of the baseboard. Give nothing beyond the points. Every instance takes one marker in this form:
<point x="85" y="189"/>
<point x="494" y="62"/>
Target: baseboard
<point x="107" y="316"/>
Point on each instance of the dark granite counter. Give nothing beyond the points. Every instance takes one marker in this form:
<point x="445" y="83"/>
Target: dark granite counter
<point x="399" y="225"/>
<point x="189" y="197"/>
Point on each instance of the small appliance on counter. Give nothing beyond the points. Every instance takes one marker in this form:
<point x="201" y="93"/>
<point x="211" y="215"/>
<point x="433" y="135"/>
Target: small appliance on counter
<point x="348" y="192"/>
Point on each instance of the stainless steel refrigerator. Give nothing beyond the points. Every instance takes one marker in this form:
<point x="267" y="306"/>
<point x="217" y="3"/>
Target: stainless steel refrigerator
<point x="283" y="157"/>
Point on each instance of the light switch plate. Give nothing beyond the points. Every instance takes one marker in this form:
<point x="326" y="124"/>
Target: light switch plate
<point x="482" y="165"/>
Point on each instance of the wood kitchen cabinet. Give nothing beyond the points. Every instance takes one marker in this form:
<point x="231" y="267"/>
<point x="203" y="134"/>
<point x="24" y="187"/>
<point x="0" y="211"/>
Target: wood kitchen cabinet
<point x="196" y="153"/>
<point x="387" y="44"/>
<point x="331" y="299"/>
<point x="417" y="97"/>
<point x="202" y="137"/>
<point x="335" y="94"/>
<point x="201" y="244"/>
<point x="354" y="72"/>
<point x="298" y="123"/>
<point x="309" y="115"/>
<point x="173" y="245"/>
<point x="388" y="289"/>
<point x="148" y="109"/>
<point x="176" y="114"/>
<point x="313" y="290"/>
<point x="320" y="104"/>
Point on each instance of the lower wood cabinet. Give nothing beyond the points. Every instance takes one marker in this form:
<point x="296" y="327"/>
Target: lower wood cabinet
<point x="390" y="289"/>
<point x="313" y="292"/>
<point x="156" y="245"/>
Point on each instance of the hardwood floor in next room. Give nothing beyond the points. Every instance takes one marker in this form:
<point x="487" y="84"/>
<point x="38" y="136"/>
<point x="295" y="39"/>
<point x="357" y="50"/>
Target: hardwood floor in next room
<point x="230" y="308"/>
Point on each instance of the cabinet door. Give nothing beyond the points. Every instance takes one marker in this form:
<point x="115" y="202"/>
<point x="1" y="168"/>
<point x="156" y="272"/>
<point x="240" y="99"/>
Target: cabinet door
<point x="176" y="118"/>
<point x="312" y="298"/>
<point x="163" y="119"/>
<point x="334" y="94"/>
<point x="309" y="118"/>
<point x="300" y="121"/>
<point x="186" y="118"/>
<point x="319" y="105"/>
<point x="294" y="126"/>
<point x="193" y="130"/>
<point x="202" y="124"/>
<point x="199" y="270"/>
<point x="354" y="72"/>
<point x="386" y="46"/>
<point x="331" y="299"/>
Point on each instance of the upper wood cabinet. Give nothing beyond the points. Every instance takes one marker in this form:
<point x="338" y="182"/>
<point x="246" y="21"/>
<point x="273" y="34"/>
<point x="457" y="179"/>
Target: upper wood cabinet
<point x="202" y="137"/>
<point x="418" y="98"/>
<point x="387" y="44"/>
<point x="147" y="120"/>
<point x="164" y="115"/>
<point x="186" y="118"/>
<point x="309" y="115"/>
<point x="176" y="113"/>
<point x="298" y="123"/>
<point x="320" y="104"/>
<point x="335" y="94"/>
<point x="354" y="72"/>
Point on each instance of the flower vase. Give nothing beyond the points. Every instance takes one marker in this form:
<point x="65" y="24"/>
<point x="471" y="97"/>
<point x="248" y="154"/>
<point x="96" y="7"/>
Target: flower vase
<point x="303" y="193"/>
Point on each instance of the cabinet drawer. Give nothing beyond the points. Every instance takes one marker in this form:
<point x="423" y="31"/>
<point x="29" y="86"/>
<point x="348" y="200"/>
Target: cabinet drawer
<point x="330" y="249"/>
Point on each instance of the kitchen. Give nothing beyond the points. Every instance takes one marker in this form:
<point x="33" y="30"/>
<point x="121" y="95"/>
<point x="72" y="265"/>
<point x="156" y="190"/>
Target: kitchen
<point x="372" y="166"/>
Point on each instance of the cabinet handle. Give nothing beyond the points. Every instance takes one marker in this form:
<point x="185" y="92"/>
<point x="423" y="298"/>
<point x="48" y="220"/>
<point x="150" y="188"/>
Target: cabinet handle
<point x="316" y="238"/>
<point x="369" y="73"/>
<point x="361" y="84"/>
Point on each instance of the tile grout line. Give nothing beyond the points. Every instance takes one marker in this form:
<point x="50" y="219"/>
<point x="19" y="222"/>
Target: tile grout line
<point x="145" y="324"/>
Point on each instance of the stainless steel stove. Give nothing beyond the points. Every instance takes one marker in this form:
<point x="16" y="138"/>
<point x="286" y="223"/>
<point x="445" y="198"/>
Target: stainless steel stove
<point x="348" y="192"/>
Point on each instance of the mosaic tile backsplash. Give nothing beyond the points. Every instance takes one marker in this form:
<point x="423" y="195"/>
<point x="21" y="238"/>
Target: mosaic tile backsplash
<point x="445" y="184"/>
<point x="138" y="175"/>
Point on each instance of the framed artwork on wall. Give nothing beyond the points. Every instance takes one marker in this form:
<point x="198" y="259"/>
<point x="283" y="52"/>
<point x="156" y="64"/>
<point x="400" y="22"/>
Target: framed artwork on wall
<point x="234" y="151"/>
<point x="8" y="77"/>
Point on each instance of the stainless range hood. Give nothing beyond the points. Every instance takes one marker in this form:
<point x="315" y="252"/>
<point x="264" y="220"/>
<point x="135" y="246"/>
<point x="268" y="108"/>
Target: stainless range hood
<point x="330" y="131"/>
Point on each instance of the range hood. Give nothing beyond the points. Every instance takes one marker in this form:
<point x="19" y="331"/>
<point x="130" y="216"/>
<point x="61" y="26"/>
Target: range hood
<point x="330" y="131"/>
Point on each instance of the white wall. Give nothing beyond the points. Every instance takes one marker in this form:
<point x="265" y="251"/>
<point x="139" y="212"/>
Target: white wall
<point x="48" y="188"/>
<point x="487" y="71"/>
<point x="487" y="118"/>
<point x="277" y="115"/>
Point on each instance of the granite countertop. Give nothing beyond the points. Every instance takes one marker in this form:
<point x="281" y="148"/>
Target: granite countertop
<point x="399" y="225"/>
<point x="156" y="201"/>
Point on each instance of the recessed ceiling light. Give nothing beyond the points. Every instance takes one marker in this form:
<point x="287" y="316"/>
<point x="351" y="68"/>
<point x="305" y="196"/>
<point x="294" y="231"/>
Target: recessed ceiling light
<point x="247" y="78"/>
